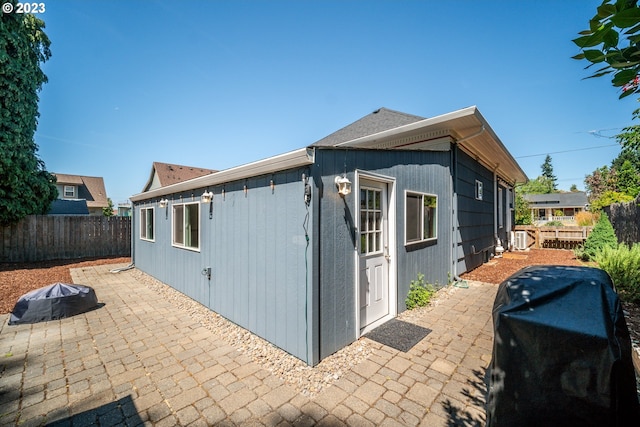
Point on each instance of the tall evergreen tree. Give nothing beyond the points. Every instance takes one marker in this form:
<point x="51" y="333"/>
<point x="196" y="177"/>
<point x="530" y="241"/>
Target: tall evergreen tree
<point x="547" y="172"/>
<point x="25" y="186"/>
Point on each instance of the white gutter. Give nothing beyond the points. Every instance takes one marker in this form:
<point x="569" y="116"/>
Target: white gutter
<point x="301" y="157"/>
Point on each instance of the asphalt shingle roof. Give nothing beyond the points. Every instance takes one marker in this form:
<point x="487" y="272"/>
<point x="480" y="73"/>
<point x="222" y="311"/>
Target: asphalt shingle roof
<point x="378" y="121"/>
<point x="555" y="200"/>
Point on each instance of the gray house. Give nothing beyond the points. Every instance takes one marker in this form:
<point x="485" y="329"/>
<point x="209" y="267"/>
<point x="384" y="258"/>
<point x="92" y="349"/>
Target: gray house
<point x="315" y="247"/>
<point x="556" y="206"/>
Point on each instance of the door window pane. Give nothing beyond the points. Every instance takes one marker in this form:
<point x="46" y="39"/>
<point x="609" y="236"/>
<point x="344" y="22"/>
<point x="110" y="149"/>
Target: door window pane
<point x="370" y="221"/>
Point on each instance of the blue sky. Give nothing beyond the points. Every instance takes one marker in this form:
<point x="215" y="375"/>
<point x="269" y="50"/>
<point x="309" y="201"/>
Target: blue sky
<point x="216" y="84"/>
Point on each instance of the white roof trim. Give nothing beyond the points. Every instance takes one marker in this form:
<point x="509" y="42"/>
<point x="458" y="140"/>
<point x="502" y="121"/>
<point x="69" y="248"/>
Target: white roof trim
<point x="463" y="126"/>
<point x="469" y="111"/>
<point x="302" y="157"/>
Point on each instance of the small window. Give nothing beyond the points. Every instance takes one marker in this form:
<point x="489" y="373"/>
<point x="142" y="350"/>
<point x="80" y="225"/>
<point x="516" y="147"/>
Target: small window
<point x="420" y="217"/>
<point x="69" y="191"/>
<point x="146" y="224"/>
<point x="478" y="190"/>
<point x="186" y="226"/>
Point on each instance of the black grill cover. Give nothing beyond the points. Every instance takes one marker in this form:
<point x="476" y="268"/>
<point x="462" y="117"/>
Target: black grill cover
<point x="561" y="352"/>
<point x="53" y="302"/>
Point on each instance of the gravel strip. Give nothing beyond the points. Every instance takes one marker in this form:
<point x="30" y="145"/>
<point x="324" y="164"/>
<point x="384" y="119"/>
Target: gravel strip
<point x="306" y="380"/>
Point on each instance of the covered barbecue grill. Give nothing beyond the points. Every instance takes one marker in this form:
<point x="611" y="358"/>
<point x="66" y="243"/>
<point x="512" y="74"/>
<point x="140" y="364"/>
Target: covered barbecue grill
<point x="53" y="302"/>
<point x="562" y="351"/>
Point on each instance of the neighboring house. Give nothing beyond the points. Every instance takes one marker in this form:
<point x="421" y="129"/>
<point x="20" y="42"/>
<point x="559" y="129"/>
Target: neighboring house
<point x="274" y="246"/>
<point x="556" y="206"/>
<point x="164" y="174"/>
<point x="124" y="209"/>
<point x="88" y="188"/>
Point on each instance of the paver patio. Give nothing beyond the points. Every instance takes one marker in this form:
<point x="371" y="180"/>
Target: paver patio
<point x="139" y="360"/>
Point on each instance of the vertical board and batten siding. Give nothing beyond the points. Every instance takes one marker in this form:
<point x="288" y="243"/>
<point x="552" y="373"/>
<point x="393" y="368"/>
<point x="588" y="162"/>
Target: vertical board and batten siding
<point x="475" y="217"/>
<point x="52" y="237"/>
<point x="256" y="248"/>
<point x="420" y="171"/>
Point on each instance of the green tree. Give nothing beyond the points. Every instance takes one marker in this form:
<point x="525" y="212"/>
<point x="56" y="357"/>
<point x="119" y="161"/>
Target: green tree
<point x="630" y="155"/>
<point x="574" y="188"/>
<point x="539" y="185"/>
<point x="602" y="47"/>
<point x="25" y="186"/>
<point x="108" y="211"/>
<point x="629" y="138"/>
<point x="522" y="211"/>
<point x="628" y="179"/>
<point x="607" y="198"/>
<point x="600" y="181"/>
<point x="612" y="43"/>
<point x="547" y="172"/>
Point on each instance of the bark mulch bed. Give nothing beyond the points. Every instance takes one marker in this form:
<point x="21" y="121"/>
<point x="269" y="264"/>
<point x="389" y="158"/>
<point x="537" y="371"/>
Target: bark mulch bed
<point x="498" y="270"/>
<point x="16" y="279"/>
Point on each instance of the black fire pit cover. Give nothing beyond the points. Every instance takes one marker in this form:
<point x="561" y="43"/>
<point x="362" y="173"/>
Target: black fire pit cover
<point x="561" y="352"/>
<point x="53" y="302"/>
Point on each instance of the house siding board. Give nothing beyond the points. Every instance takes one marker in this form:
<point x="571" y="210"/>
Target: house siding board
<point x="421" y="171"/>
<point x="255" y="246"/>
<point x="475" y="217"/>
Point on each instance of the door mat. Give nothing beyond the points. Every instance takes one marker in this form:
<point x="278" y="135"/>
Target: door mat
<point x="398" y="334"/>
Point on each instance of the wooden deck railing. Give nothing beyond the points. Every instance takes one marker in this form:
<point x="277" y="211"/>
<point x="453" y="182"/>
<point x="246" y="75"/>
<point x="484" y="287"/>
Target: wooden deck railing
<point x="568" y="237"/>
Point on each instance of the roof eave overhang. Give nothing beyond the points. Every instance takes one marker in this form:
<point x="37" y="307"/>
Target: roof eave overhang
<point x="290" y="160"/>
<point x="466" y="127"/>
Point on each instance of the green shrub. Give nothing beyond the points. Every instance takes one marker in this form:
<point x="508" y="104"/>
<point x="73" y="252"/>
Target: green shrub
<point x="601" y="236"/>
<point x="420" y="293"/>
<point x="554" y="224"/>
<point x="623" y="265"/>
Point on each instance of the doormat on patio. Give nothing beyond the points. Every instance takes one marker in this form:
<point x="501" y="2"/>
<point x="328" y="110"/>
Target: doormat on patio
<point x="398" y="334"/>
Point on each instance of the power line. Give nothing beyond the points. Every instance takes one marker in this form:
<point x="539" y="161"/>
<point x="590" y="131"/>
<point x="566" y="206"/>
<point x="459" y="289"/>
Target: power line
<point x="566" y="151"/>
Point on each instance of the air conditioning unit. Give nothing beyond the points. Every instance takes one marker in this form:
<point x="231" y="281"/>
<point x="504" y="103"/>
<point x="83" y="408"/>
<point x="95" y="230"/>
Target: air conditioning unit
<point x="521" y="240"/>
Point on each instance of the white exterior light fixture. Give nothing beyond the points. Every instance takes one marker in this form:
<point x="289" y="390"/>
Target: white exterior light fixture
<point x="343" y="184"/>
<point x="207" y="197"/>
<point x="164" y="203"/>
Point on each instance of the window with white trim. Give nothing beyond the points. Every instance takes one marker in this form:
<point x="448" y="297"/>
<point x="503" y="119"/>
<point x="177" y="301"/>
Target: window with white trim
<point x="147" y="224"/>
<point x="420" y="217"/>
<point x="478" y="190"/>
<point x="186" y="226"/>
<point x="69" y="191"/>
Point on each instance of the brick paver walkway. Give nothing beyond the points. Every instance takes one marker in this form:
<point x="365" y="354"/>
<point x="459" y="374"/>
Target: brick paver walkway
<point x="138" y="360"/>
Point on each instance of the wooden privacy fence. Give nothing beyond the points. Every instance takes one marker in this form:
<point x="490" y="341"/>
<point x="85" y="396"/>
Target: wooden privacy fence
<point x="568" y="237"/>
<point x="42" y="238"/>
<point x="625" y="219"/>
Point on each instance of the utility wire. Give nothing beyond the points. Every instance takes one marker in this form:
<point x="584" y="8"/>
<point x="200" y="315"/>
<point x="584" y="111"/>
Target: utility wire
<point x="566" y="151"/>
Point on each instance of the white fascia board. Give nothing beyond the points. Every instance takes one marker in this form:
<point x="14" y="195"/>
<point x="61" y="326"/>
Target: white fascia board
<point x="301" y="157"/>
<point x="469" y="111"/>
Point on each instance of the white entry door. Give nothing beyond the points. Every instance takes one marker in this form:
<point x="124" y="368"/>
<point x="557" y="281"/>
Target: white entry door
<point x="373" y="252"/>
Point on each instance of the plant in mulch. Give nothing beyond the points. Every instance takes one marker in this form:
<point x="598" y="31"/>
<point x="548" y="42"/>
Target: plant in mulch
<point x="601" y="236"/>
<point x="554" y="224"/>
<point x="420" y="293"/>
<point x="623" y="265"/>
